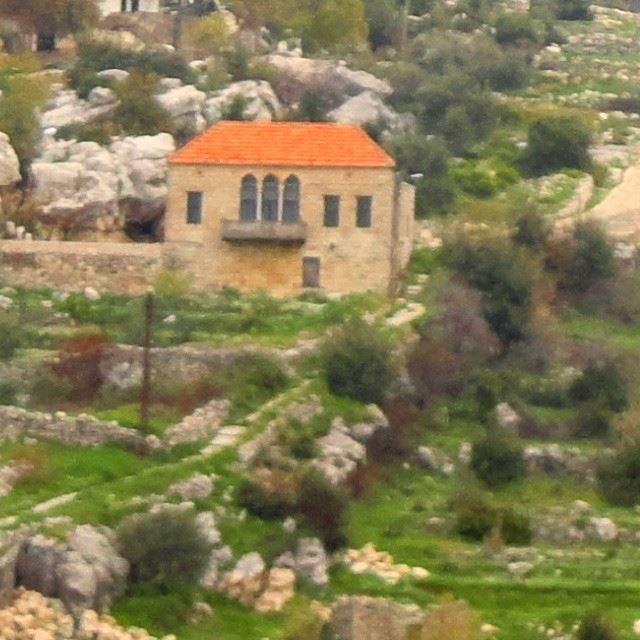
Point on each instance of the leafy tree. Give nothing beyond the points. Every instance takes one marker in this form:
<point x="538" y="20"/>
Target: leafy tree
<point x="590" y="261"/>
<point x="497" y="459"/>
<point x="429" y="157"/>
<point x="356" y="362"/>
<point x="53" y="17"/>
<point x="516" y="29"/>
<point x="20" y="100"/>
<point x="557" y="142"/>
<point x="384" y="21"/>
<point x="138" y="113"/>
<point x="164" y="548"/>
<point x="603" y="385"/>
<point x="504" y="276"/>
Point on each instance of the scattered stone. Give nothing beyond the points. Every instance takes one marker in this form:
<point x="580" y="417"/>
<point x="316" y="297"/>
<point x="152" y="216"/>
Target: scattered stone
<point x="278" y="591"/>
<point x="197" y="486"/>
<point x="380" y="564"/>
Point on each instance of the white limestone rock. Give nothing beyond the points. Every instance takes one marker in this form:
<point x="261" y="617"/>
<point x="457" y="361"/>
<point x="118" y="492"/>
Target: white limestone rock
<point x="261" y="101"/>
<point x="9" y="163"/>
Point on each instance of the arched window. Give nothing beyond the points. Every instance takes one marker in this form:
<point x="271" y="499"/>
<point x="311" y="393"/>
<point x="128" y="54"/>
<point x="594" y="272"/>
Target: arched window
<point x="291" y="200"/>
<point x="249" y="198"/>
<point x="270" y="199"/>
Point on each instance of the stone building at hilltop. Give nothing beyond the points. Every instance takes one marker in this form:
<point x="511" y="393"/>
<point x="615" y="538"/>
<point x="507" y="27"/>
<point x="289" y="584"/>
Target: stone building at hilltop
<point x="288" y="207"/>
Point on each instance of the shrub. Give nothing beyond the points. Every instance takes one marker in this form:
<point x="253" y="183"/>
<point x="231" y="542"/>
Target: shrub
<point x="254" y="378"/>
<point x="163" y="548"/>
<point x="516" y="29"/>
<point x="573" y="10"/>
<point x="324" y="507"/>
<point x="619" y="478"/>
<point x="302" y="621"/>
<point x="515" y="526"/>
<point x="590" y="261"/>
<point x="504" y="276"/>
<point x="138" y="112"/>
<point x="603" y="385"/>
<point x="78" y="362"/>
<point x="592" y="422"/>
<point x="8" y="392"/>
<point x="10" y="336"/>
<point x="313" y="107"/>
<point x="356" y="363"/>
<point x="48" y="389"/>
<point x="450" y="619"/>
<point x="531" y="230"/>
<point x="94" y="56"/>
<point x="268" y="493"/>
<point x="497" y="459"/>
<point x="555" y="143"/>
<point x="595" y="626"/>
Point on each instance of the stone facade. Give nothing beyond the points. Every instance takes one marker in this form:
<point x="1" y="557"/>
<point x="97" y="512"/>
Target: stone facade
<point x="350" y="258"/>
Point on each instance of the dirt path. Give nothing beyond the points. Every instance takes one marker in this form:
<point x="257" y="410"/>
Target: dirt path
<point x="619" y="212"/>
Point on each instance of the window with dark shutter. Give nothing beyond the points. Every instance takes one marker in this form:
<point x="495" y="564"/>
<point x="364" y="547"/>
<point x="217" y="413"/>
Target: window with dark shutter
<point x="331" y="211"/>
<point x="194" y="207"/>
<point x="291" y="200"/>
<point x="249" y="198"/>
<point x="363" y="211"/>
<point x="270" y="198"/>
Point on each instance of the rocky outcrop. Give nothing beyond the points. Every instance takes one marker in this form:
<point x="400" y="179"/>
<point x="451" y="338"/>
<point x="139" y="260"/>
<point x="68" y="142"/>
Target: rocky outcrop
<point x="279" y="589"/>
<point x="28" y="615"/>
<point x="83" y="186"/>
<point x="9" y="549"/>
<point x="368" y="107"/>
<point x="309" y="561"/>
<point x="298" y="74"/>
<point x="196" y="486"/>
<point x="9" y="163"/>
<point x="365" y="618"/>
<point x="184" y="105"/>
<point x="258" y="98"/>
<point x="380" y="564"/>
<point x="82" y="430"/>
<point x="65" y="108"/>
<point x="246" y="580"/>
<point x="85" y="572"/>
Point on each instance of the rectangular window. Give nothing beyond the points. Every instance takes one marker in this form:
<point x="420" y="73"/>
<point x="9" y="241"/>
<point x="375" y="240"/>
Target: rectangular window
<point x="194" y="207"/>
<point x="331" y="211"/>
<point x="363" y="211"/>
<point x="311" y="272"/>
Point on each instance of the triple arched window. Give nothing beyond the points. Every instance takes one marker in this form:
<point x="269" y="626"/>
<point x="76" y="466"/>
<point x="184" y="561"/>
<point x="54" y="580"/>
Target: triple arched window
<point x="267" y="201"/>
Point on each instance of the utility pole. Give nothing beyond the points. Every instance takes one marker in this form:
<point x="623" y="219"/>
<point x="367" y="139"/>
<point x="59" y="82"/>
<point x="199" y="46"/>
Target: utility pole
<point x="145" y="394"/>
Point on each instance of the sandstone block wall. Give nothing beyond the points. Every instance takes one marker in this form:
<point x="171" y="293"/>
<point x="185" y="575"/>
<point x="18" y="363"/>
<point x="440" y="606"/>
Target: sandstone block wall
<point x="351" y="258"/>
<point x="126" y="268"/>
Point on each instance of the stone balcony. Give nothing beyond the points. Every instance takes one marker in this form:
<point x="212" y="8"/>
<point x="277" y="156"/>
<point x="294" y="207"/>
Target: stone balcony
<point x="261" y="231"/>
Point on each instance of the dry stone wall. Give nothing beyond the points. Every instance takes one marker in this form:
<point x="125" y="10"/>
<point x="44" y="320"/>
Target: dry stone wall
<point x="72" y="266"/>
<point x="83" y="430"/>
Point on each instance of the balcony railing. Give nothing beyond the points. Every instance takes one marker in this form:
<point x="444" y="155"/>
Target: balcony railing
<point x="261" y="231"/>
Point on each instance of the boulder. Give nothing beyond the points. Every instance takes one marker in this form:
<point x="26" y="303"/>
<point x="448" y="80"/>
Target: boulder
<point x="311" y="561"/>
<point x="603" y="529"/>
<point x="366" y="618"/>
<point x="196" y="486"/>
<point x="433" y="459"/>
<point x="298" y="74"/>
<point x="246" y="580"/>
<point x="184" y="105"/>
<point x="339" y="453"/>
<point x="9" y="163"/>
<point x="368" y="107"/>
<point x="506" y="417"/>
<point x="85" y="572"/>
<point x="260" y="101"/>
<point x="278" y="591"/>
<point x="65" y="108"/>
<point x="9" y="549"/>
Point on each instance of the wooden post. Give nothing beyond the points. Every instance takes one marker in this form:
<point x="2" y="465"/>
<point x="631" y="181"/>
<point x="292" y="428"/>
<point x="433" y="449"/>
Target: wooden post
<point x="145" y="394"/>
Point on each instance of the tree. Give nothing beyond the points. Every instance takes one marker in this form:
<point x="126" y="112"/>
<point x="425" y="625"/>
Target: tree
<point x="497" y="459"/>
<point x="51" y="18"/>
<point x="557" y="142"/>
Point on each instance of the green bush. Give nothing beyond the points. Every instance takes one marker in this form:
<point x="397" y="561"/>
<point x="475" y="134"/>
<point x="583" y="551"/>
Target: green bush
<point x="356" y="363"/>
<point x="10" y="336"/>
<point x="515" y="527"/>
<point x="274" y="498"/>
<point x="592" y="422"/>
<point x="516" y="29"/>
<point x="619" y="478"/>
<point x="531" y="230"/>
<point x="504" y="276"/>
<point x="8" y="392"/>
<point x="324" y="507"/>
<point x="595" y="626"/>
<point x="165" y="548"/>
<point x="603" y="385"/>
<point x="95" y="57"/>
<point x="590" y="261"/>
<point x="253" y="379"/>
<point x="555" y="143"/>
<point x="138" y="112"/>
<point x="497" y="459"/>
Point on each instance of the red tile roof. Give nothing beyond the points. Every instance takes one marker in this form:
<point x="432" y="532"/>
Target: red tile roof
<point x="300" y="144"/>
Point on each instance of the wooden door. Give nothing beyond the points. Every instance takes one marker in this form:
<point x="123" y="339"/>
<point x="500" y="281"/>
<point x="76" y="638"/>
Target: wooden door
<point x="311" y="272"/>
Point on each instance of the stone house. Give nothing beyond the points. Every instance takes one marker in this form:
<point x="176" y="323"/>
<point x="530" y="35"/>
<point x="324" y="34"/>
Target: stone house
<point x="288" y="207"/>
<point x="108" y="7"/>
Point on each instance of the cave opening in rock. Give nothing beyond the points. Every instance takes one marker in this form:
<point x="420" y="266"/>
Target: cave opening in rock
<point x="143" y="231"/>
